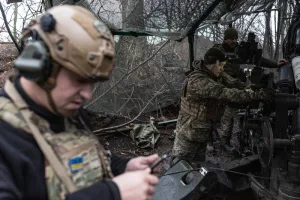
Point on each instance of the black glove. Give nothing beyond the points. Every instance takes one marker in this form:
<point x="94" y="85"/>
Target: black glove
<point x="267" y="94"/>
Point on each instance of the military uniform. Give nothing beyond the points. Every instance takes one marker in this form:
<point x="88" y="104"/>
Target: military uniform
<point x="203" y="101"/>
<point x="233" y="69"/>
<point x="46" y="151"/>
<point x="226" y="122"/>
<point x="24" y="172"/>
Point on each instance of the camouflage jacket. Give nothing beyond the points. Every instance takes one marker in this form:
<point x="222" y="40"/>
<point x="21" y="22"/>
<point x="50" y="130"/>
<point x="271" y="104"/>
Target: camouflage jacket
<point x="73" y="153"/>
<point x="204" y="96"/>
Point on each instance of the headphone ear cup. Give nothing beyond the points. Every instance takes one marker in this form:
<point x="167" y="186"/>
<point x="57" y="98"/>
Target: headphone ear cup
<point x="34" y="62"/>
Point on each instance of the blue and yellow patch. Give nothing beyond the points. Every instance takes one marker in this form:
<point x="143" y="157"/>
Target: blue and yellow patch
<point x="76" y="164"/>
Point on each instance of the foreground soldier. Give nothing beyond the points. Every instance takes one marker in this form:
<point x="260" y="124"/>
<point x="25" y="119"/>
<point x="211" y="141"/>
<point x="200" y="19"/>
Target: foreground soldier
<point x="205" y="93"/>
<point x="46" y="152"/>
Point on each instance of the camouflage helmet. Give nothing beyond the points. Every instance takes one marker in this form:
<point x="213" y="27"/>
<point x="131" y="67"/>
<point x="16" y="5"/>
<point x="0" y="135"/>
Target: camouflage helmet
<point x="231" y="33"/>
<point x="76" y="40"/>
<point x="214" y="55"/>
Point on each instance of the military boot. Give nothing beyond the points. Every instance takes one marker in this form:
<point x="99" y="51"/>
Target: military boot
<point x="226" y="146"/>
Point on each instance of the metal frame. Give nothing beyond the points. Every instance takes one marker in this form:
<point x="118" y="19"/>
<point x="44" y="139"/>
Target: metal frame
<point x="176" y="36"/>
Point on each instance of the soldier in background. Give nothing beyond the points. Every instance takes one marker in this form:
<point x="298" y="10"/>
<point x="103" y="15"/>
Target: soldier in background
<point x="205" y="93"/>
<point x="230" y="47"/>
<point x="46" y="149"/>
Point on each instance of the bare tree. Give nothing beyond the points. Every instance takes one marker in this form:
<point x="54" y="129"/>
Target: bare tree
<point x="15" y="20"/>
<point x="282" y="4"/>
<point x="268" y="37"/>
<point x="18" y="15"/>
<point x="172" y="15"/>
<point x="132" y="14"/>
<point x="145" y="63"/>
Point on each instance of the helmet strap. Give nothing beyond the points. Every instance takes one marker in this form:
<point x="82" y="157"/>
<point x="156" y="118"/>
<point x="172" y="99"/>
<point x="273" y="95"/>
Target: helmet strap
<point x="50" y="84"/>
<point x="51" y="102"/>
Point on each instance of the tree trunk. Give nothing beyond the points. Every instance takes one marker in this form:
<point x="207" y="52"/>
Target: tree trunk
<point x="282" y="4"/>
<point x="132" y="14"/>
<point x="268" y="40"/>
<point x="15" y="20"/>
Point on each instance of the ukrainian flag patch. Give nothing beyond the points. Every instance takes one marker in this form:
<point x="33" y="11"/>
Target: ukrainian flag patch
<point x="76" y="164"/>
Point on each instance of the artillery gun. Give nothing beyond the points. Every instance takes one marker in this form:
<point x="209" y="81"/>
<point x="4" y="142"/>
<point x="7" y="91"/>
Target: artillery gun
<point x="272" y="130"/>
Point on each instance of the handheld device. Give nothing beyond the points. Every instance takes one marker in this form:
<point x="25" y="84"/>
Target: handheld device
<point x="158" y="161"/>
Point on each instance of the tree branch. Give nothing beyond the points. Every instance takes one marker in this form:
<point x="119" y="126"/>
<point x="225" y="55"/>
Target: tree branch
<point x="121" y="125"/>
<point x="8" y="29"/>
<point x="92" y="102"/>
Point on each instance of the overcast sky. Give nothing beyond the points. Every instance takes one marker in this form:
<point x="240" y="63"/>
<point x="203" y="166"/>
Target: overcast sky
<point x="28" y="9"/>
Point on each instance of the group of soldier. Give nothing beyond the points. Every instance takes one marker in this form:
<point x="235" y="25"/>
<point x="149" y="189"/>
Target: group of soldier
<point x="210" y="97"/>
<point x="47" y="150"/>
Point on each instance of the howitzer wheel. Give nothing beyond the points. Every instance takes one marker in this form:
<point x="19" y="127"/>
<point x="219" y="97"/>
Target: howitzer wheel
<point x="265" y="144"/>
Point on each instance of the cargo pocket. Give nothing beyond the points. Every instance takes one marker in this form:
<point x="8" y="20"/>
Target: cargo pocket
<point x="200" y="131"/>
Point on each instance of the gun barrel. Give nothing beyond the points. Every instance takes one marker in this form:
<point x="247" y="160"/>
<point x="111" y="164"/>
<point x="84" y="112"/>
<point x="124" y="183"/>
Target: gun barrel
<point x="282" y="142"/>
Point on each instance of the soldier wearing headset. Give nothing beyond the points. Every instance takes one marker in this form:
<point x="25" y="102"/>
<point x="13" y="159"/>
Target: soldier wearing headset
<point x="46" y="149"/>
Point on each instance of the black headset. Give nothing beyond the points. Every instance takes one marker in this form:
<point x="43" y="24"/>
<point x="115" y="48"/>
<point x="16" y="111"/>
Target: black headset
<point x="34" y="62"/>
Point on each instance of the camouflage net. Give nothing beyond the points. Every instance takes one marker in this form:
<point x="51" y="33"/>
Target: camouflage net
<point x="146" y="78"/>
<point x="150" y="70"/>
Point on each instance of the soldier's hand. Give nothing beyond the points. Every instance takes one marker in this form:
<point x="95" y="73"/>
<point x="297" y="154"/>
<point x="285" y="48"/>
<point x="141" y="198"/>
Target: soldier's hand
<point x="141" y="162"/>
<point x="282" y="62"/>
<point x="136" y="185"/>
<point x="267" y="94"/>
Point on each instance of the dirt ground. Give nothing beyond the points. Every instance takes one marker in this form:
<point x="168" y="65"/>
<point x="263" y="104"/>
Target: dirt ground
<point x="121" y="144"/>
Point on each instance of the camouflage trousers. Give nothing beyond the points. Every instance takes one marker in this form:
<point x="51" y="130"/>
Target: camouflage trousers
<point x="191" y="138"/>
<point x="226" y="122"/>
